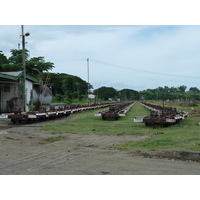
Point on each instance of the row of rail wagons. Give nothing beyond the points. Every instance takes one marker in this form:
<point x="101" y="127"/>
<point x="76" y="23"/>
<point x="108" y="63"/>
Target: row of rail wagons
<point x="164" y="116"/>
<point x="116" y="111"/>
<point x="52" y="113"/>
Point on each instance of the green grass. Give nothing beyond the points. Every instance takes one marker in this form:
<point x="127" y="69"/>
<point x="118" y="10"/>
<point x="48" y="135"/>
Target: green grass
<point x="183" y="136"/>
<point x="54" y="139"/>
<point x="187" y="139"/>
<point x="87" y="123"/>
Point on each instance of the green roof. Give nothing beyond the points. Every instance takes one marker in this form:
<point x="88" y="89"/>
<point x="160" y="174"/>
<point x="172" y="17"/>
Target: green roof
<point x="16" y="75"/>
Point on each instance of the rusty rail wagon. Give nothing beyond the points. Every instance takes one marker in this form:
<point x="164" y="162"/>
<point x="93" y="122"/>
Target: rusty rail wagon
<point x="116" y="111"/>
<point x="55" y="111"/>
<point x="164" y="116"/>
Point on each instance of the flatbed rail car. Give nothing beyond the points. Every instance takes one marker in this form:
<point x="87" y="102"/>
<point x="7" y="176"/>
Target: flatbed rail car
<point x="54" y="112"/>
<point x="116" y="111"/>
<point x="34" y="116"/>
<point x="164" y="116"/>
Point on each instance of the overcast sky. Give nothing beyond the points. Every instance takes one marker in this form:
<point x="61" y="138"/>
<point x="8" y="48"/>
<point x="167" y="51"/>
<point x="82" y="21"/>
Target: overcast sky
<point x="134" y="57"/>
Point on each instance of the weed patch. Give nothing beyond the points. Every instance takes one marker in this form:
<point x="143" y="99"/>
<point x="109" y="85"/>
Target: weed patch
<point x="54" y="139"/>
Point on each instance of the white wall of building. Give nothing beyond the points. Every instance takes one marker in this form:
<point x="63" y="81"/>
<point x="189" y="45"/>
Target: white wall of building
<point x="29" y="89"/>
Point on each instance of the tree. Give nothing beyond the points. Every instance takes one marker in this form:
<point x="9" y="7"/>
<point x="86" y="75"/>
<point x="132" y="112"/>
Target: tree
<point x="182" y="88"/>
<point x="166" y="89"/>
<point x="65" y="84"/>
<point x="194" y="90"/>
<point x="128" y="94"/>
<point x="34" y="66"/>
<point x="16" y="56"/>
<point x="69" y="88"/>
<point x="81" y="87"/>
<point x="147" y="95"/>
<point x="3" y="59"/>
<point x="37" y="65"/>
<point x="106" y="92"/>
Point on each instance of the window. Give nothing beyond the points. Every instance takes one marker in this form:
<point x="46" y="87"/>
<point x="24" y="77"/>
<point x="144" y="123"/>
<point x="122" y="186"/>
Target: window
<point x="6" y="88"/>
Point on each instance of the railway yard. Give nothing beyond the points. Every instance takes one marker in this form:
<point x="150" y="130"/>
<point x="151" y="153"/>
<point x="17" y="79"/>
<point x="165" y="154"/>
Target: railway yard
<point x="24" y="149"/>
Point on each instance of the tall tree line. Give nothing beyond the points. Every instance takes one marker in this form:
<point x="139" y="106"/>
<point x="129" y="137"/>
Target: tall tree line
<point x="105" y="93"/>
<point x="67" y="87"/>
<point x="171" y="93"/>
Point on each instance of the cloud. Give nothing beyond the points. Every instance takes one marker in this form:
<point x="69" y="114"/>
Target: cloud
<point x="9" y="38"/>
<point x="121" y="56"/>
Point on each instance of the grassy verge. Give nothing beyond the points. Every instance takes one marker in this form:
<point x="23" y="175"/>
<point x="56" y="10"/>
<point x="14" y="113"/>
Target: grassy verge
<point x="87" y="123"/>
<point x="183" y="136"/>
<point x="179" y="137"/>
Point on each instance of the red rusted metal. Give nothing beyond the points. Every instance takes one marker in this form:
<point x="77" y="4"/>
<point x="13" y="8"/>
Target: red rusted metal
<point x="164" y="116"/>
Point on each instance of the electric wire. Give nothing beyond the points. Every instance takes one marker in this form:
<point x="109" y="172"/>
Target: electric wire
<point x="134" y="69"/>
<point x="141" y="70"/>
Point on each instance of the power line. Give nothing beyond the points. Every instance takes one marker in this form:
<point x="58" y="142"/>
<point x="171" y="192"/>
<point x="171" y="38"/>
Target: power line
<point x="69" y="60"/>
<point x="141" y="70"/>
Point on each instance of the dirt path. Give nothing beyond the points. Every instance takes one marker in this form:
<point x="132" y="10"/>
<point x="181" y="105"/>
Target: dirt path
<point x="23" y="151"/>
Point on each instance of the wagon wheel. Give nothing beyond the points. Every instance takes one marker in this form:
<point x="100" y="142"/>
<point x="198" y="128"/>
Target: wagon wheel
<point x="13" y="121"/>
<point x="17" y="121"/>
<point x="146" y="124"/>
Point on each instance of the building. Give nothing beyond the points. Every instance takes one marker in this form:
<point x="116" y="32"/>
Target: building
<point x="11" y="91"/>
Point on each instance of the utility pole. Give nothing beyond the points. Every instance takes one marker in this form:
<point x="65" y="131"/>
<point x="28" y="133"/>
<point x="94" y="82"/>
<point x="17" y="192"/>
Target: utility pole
<point x="88" y="78"/>
<point x="24" y="68"/>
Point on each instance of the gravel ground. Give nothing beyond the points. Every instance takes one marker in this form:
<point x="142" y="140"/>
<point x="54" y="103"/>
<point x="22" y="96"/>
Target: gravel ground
<point x="24" y="151"/>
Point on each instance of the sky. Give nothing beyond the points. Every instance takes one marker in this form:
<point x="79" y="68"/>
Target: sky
<point x="135" y="57"/>
<point x="130" y="44"/>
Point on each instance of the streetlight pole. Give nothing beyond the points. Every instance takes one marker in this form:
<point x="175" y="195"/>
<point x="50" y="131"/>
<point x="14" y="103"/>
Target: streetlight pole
<point x="24" y="68"/>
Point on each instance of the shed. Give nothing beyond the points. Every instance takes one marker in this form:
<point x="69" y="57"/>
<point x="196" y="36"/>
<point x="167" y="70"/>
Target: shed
<point x="11" y="92"/>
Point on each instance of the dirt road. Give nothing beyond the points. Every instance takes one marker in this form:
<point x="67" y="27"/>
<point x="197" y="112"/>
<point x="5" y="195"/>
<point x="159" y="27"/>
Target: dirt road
<point x="24" y="151"/>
